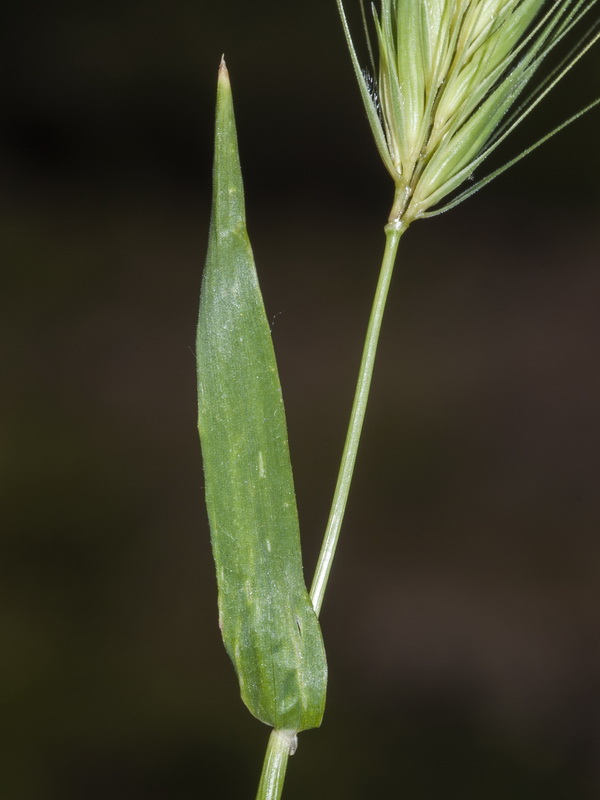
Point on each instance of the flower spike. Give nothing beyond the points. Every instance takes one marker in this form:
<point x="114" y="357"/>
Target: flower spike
<point x="449" y="75"/>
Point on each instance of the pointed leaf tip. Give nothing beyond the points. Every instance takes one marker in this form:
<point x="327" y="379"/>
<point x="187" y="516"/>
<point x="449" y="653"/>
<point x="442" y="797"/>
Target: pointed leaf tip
<point x="223" y="71"/>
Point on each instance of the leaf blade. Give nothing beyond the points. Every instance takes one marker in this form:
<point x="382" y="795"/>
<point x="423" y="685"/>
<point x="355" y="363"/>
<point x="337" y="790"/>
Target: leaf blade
<point x="268" y="624"/>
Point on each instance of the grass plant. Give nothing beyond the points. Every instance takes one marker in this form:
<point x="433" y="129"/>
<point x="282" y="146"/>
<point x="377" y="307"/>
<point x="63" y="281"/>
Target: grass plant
<point x="448" y="81"/>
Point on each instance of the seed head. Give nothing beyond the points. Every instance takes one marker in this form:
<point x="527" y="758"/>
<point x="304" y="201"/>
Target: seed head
<point x="446" y="85"/>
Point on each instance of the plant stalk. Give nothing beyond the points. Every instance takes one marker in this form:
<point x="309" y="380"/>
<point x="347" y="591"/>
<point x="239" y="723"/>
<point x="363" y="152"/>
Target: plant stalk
<point x="282" y="743"/>
<point x="393" y="231"/>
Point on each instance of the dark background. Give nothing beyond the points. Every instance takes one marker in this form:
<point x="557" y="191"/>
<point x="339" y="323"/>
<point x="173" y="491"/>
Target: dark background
<point x="462" y="618"/>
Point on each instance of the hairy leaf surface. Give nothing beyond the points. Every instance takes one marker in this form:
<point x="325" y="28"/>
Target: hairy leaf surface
<point x="268" y="624"/>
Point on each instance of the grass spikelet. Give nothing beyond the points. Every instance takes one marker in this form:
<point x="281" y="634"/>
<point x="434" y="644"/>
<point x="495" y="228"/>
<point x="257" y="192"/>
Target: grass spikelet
<point x="449" y="75"/>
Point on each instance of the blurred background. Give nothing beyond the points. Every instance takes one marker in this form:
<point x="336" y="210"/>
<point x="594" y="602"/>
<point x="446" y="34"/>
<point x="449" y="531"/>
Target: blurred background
<point x="462" y="617"/>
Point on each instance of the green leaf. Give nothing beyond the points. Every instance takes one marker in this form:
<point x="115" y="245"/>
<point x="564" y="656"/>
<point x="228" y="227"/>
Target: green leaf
<point x="269" y="627"/>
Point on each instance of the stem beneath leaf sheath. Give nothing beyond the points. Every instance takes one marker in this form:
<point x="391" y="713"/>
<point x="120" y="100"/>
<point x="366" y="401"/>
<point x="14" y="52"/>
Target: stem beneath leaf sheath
<point x="281" y="744"/>
<point x="393" y="233"/>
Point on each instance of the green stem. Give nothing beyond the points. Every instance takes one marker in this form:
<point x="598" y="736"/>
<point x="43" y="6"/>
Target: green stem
<point x="393" y="232"/>
<point x="281" y="745"/>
